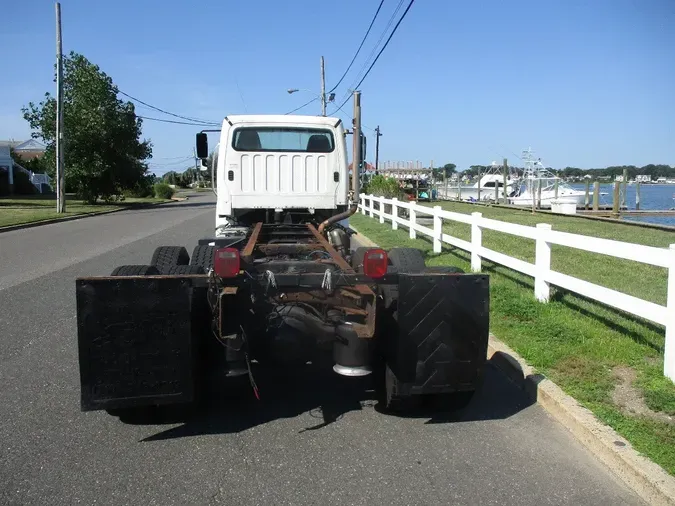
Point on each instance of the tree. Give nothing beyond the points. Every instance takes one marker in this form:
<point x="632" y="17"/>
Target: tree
<point x="102" y="149"/>
<point x="445" y="171"/>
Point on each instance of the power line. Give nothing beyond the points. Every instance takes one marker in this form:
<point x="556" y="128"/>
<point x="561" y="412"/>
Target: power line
<point x="374" y="50"/>
<point x="349" y="117"/>
<point x="241" y="96"/>
<point x="303" y="105"/>
<point x="168" y="157"/>
<point x="174" y="121"/>
<point x="167" y="112"/>
<point x="360" y="46"/>
<point x="169" y="164"/>
<point x="382" y="50"/>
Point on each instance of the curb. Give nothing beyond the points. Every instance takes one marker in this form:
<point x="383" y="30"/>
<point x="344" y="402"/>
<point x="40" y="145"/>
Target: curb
<point x="51" y="221"/>
<point x="644" y="477"/>
<point x="362" y="239"/>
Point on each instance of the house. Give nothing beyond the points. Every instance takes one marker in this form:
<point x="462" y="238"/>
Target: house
<point x="643" y="178"/>
<point x="27" y="150"/>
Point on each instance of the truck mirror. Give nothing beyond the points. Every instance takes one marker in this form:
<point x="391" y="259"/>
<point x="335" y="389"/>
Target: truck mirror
<point x="202" y="146"/>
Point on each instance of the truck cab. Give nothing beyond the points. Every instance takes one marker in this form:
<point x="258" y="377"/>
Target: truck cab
<point x="278" y="168"/>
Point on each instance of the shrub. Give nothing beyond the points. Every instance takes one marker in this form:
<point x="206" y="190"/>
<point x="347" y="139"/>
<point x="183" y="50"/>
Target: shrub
<point x="382" y="186"/>
<point x="163" y="191"/>
<point x="141" y="189"/>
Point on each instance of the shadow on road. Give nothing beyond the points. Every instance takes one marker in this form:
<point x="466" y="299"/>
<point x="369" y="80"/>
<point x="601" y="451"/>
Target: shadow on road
<point x="327" y="397"/>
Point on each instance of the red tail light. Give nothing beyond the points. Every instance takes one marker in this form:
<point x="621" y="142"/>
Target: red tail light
<point x="375" y="263"/>
<point x="227" y="263"/>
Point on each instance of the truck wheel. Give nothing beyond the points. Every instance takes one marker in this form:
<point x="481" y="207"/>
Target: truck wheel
<point x="203" y="255"/>
<point x="408" y="260"/>
<point x="183" y="270"/>
<point x="135" y="270"/>
<point x="396" y="400"/>
<point x="405" y="260"/>
<point x="165" y="257"/>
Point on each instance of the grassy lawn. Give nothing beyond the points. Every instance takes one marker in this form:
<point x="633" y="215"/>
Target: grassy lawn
<point x="20" y="210"/>
<point x="577" y="343"/>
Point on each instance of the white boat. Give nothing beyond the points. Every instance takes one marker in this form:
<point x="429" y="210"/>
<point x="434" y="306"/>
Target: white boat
<point x="536" y="176"/>
<point x="492" y="179"/>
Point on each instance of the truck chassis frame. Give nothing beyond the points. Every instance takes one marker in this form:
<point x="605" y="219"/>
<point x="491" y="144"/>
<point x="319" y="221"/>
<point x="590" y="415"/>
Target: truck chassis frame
<point x="149" y="339"/>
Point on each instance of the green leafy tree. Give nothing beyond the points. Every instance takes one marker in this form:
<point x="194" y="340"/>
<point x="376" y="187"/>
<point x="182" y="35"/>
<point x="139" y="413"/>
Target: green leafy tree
<point x="446" y="170"/>
<point x="104" y="154"/>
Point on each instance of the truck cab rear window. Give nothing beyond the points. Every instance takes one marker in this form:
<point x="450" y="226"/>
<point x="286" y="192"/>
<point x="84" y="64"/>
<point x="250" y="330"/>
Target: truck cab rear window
<point x="297" y="140"/>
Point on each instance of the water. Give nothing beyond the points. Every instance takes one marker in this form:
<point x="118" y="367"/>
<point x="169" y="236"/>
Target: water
<point x="652" y="197"/>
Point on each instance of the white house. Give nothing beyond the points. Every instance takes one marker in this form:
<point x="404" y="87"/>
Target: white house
<point x="27" y="150"/>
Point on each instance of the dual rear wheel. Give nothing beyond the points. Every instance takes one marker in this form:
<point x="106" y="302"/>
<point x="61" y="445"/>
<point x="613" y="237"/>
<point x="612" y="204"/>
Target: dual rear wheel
<point x="394" y="394"/>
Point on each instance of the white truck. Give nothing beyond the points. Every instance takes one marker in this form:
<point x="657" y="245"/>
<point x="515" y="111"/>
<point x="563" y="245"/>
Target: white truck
<point x="278" y="283"/>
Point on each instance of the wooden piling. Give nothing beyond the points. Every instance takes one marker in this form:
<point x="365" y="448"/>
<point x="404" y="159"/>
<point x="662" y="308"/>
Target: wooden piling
<point x="637" y="196"/>
<point x="505" y="173"/>
<point x="587" y="199"/>
<point x="615" y="200"/>
<point x="596" y="196"/>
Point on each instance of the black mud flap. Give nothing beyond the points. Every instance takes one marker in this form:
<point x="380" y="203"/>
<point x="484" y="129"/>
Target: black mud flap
<point x="135" y="341"/>
<point x="443" y="328"/>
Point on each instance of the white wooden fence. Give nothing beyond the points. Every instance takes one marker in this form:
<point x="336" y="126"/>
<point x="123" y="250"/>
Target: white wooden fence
<point x="540" y="270"/>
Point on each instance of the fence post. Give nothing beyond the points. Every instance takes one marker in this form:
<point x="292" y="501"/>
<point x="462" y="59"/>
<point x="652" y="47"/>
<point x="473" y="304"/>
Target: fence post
<point x="542" y="263"/>
<point x="372" y="205"/>
<point x="438" y="229"/>
<point x="413" y="220"/>
<point x="669" y="351"/>
<point x="476" y="241"/>
<point x="394" y="213"/>
<point x="362" y="199"/>
<point x="381" y="200"/>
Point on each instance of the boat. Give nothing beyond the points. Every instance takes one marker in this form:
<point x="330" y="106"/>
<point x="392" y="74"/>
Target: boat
<point x="538" y="186"/>
<point x="489" y="183"/>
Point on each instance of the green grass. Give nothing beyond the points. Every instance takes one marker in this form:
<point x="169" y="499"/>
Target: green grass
<point x="22" y="210"/>
<point x="571" y="340"/>
<point x="634" y="278"/>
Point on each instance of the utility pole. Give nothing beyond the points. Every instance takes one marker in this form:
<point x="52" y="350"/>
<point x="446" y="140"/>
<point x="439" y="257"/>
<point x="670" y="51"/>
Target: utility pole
<point x="60" y="179"/>
<point x="377" y="150"/>
<point x="323" y="89"/>
<point x="356" y="134"/>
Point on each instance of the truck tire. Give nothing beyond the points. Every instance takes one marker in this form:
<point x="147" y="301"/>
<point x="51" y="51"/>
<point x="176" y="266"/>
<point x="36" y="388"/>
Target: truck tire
<point x="183" y="270"/>
<point x="408" y="260"/>
<point x="203" y="256"/>
<point x="396" y="400"/>
<point x="395" y="396"/>
<point x="135" y="270"/>
<point x="165" y="257"/>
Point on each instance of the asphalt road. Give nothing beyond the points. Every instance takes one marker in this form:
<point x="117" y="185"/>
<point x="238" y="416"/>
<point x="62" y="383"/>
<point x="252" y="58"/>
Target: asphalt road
<point x="315" y="438"/>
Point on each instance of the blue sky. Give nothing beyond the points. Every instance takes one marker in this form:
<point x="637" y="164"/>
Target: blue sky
<point x="585" y="83"/>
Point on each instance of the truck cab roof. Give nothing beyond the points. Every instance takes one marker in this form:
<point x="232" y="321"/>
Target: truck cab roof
<point x="282" y="118"/>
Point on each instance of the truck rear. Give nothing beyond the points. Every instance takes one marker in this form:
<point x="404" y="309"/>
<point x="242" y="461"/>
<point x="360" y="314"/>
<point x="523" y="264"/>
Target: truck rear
<point x="279" y="284"/>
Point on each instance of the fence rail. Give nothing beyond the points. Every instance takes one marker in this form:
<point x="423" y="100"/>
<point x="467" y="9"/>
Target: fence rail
<point x="544" y="236"/>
